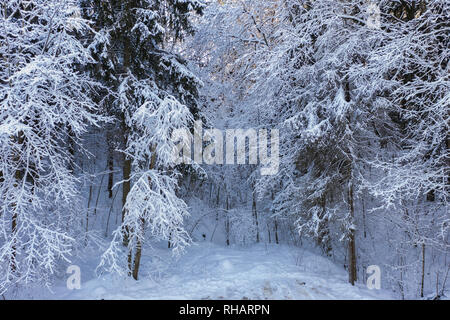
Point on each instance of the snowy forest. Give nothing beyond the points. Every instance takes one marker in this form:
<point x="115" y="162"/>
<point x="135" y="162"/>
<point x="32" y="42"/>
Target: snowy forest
<point x="353" y="97"/>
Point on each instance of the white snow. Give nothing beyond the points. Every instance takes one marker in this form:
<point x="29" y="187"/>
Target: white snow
<point x="210" y="271"/>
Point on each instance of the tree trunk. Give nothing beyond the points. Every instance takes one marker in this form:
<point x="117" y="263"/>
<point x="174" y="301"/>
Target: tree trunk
<point x="137" y="256"/>
<point x="109" y="212"/>
<point x="227" y="224"/>
<point x="323" y="239"/>
<point x="126" y="172"/>
<point x="364" y="218"/>
<point x="423" y="270"/>
<point x="125" y="190"/>
<point x="18" y="175"/>
<point x="275" y="222"/>
<point x="255" y="216"/>
<point x="352" y="245"/>
<point x="71" y="144"/>
<point x="110" y="165"/>
<point x="14" y="249"/>
<point x="87" y="212"/>
<point x="276" y="231"/>
<point x="137" y="260"/>
<point x="98" y="194"/>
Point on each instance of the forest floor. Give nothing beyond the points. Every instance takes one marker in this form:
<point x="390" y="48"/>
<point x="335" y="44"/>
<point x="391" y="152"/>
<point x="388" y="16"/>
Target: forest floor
<point x="211" y="271"/>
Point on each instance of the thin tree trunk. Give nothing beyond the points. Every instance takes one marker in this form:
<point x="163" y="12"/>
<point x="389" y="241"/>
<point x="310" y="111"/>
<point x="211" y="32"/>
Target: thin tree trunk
<point x="126" y="171"/>
<point x="276" y="231"/>
<point x="275" y="222"/>
<point x="364" y="218"/>
<point x="210" y="191"/>
<point x="323" y="239"/>
<point x="71" y="144"/>
<point x="423" y="270"/>
<point x="126" y="187"/>
<point x="218" y="196"/>
<point x="130" y="262"/>
<point x="98" y="194"/>
<point x="352" y="273"/>
<point x="352" y="245"/>
<point x="137" y="260"/>
<point x="87" y="212"/>
<point x="137" y="256"/>
<point x="110" y="165"/>
<point x="227" y="224"/>
<point x="255" y="216"/>
<point x="109" y="212"/>
<point x="14" y="249"/>
<point x="400" y="282"/>
<point x="18" y="175"/>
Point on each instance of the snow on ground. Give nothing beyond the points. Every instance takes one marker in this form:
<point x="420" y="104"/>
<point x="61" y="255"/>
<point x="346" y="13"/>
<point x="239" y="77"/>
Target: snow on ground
<point x="210" y="271"/>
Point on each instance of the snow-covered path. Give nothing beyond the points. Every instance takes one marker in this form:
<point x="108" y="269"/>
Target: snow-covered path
<point x="209" y="271"/>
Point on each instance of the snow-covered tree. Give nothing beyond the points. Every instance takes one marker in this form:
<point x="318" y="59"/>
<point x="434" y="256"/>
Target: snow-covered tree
<point x="155" y="93"/>
<point x="360" y="102"/>
<point x="129" y="46"/>
<point x="411" y="65"/>
<point x="153" y="209"/>
<point x="45" y="107"/>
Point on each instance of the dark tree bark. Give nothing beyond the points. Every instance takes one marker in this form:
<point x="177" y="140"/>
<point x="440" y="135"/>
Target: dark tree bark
<point x="227" y="224"/>
<point x="137" y="256"/>
<point x="71" y="144"/>
<point x="126" y="187"/>
<point x="255" y="216"/>
<point x="352" y="272"/>
<point x="110" y="166"/>
<point x="423" y="271"/>
<point x="276" y="231"/>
